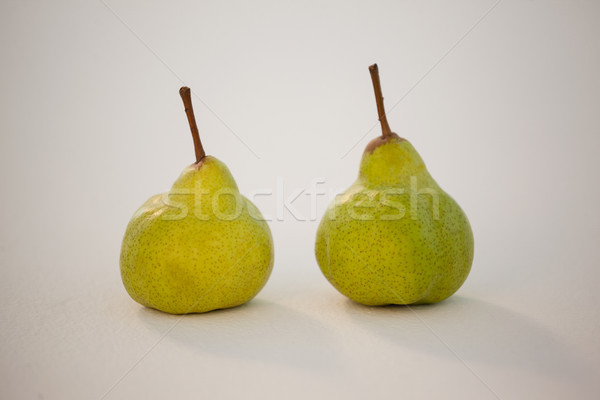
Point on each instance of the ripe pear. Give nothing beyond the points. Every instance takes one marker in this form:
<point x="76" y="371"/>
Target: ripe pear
<point x="202" y="246"/>
<point x="394" y="236"/>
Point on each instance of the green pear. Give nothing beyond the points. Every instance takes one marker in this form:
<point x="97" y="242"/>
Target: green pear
<point x="394" y="237"/>
<point x="202" y="246"/>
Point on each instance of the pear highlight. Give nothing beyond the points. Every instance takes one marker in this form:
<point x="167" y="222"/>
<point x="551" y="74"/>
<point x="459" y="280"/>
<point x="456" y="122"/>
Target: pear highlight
<point x="199" y="247"/>
<point x="394" y="236"/>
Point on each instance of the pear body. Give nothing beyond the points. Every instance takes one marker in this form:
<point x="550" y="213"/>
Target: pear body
<point x="202" y="246"/>
<point x="394" y="236"/>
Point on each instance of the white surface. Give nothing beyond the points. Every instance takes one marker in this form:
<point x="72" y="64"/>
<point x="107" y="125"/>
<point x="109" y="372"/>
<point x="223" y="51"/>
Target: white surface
<point x="92" y="125"/>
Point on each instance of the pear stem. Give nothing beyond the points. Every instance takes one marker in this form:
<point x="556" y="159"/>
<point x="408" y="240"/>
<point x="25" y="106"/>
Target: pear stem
<point x="385" y="127"/>
<point x="186" y="96"/>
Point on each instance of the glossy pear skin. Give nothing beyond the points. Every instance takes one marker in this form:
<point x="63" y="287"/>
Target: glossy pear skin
<point x="202" y="246"/>
<point x="383" y="242"/>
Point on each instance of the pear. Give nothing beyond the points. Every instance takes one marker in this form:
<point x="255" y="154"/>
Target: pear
<point x="202" y="246"/>
<point x="394" y="236"/>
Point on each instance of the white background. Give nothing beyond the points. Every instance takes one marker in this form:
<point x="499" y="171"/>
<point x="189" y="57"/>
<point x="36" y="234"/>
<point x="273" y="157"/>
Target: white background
<point x="500" y="99"/>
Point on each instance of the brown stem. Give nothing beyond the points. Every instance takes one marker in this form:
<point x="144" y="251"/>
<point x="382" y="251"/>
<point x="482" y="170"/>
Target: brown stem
<point x="186" y="96"/>
<point x="385" y="127"/>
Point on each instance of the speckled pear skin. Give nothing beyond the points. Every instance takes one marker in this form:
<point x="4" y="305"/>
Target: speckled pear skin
<point x="191" y="251"/>
<point x="377" y="248"/>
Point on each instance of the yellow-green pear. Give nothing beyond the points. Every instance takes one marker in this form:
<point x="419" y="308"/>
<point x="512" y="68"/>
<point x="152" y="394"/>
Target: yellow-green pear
<point x="199" y="247"/>
<point x="394" y="237"/>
